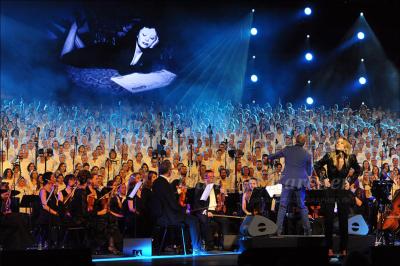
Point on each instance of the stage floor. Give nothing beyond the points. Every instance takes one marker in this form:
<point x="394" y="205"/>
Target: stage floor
<point x="210" y="259"/>
<point x="356" y="243"/>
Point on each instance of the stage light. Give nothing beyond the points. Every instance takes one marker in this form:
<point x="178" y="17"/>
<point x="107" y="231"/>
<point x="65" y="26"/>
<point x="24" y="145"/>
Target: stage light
<point x="254" y="78"/>
<point x="253" y="31"/>
<point x="308" y="56"/>
<point x="362" y="80"/>
<point x="307" y="11"/>
<point x="362" y="59"/>
<point x="360" y="35"/>
<point x="309" y="81"/>
<point x="254" y="57"/>
<point x="310" y="100"/>
<point x="308" y="36"/>
<point x="253" y="10"/>
<point x="361" y="14"/>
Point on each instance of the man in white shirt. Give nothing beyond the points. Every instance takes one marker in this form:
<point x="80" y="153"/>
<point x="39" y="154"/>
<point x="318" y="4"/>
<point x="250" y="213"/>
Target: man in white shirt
<point x="4" y="164"/>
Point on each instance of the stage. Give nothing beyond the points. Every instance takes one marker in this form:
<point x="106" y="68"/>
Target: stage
<point x="276" y="250"/>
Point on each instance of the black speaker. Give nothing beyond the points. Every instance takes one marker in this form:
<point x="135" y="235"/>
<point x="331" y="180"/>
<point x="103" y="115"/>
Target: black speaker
<point x="385" y="255"/>
<point x="299" y="256"/>
<point x="257" y="226"/>
<point x="61" y="257"/>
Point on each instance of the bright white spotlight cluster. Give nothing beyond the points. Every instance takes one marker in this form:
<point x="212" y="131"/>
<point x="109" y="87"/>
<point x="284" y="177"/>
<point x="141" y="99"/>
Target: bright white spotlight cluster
<point x="309" y="100"/>
<point x="360" y="35"/>
<point x="307" y="11"/>
<point x="254" y="78"/>
<point x="362" y="80"/>
<point x="308" y="56"/>
<point x="361" y="14"/>
<point x="253" y="31"/>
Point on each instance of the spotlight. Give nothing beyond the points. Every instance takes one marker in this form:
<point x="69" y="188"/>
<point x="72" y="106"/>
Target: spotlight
<point x="310" y="100"/>
<point x="254" y="78"/>
<point x="362" y="80"/>
<point x="308" y="36"/>
<point x="254" y="101"/>
<point x="254" y="57"/>
<point x="307" y="11"/>
<point x="309" y="81"/>
<point x="253" y="31"/>
<point x="361" y="14"/>
<point x="308" y="56"/>
<point x="360" y="35"/>
<point x="362" y="59"/>
<point x="253" y="10"/>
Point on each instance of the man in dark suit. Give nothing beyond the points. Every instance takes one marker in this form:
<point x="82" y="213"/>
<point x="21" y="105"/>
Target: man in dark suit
<point x="294" y="180"/>
<point x="206" y="208"/>
<point x="166" y="208"/>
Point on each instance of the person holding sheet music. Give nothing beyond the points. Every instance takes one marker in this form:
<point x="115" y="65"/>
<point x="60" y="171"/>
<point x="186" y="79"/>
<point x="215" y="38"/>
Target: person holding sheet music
<point x="205" y="202"/>
<point x="294" y="180"/>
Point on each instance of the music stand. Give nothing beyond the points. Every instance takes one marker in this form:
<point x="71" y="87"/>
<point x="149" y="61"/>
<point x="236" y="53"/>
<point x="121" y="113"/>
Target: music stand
<point x="28" y="201"/>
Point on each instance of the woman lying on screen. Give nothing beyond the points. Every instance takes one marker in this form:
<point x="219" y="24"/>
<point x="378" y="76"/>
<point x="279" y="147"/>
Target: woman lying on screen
<point x="136" y="68"/>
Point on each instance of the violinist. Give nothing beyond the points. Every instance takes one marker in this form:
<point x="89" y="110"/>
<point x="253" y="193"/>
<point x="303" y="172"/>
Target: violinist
<point x="117" y="206"/>
<point x="98" y="210"/>
<point x="79" y="202"/>
<point x="49" y="218"/>
<point x="166" y="208"/>
<point x="66" y="195"/>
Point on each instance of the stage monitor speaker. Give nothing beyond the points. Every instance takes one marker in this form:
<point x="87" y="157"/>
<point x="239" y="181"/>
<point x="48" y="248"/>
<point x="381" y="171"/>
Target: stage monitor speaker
<point x="385" y="255"/>
<point x="137" y="247"/>
<point x="55" y="257"/>
<point x="257" y="226"/>
<point x="358" y="226"/>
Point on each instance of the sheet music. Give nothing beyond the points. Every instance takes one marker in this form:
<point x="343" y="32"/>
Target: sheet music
<point x="135" y="189"/>
<point x="137" y="82"/>
<point x="275" y="190"/>
<point x="206" y="192"/>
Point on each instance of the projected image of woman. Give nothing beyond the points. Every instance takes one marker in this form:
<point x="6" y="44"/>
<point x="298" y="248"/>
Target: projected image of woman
<point x="134" y="65"/>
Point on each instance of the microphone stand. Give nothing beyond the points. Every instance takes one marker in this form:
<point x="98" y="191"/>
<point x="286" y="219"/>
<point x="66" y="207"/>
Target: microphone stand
<point x="226" y="149"/>
<point x="190" y="162"/>
<point x="37" y="146"/>
<point x="75" y="150"/>
<point x="122" y="151"/>
<point x="7" y="143"/>
<point x="210" y="133"/>
<point x="172" y="137"/>
<point x="179" y="144"/>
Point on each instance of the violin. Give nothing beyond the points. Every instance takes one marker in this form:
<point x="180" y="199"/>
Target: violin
<point x="391" y="219"/>
<point x="221" y="207"/>
<point x="182" y="196"/>
<point x="91" y="198"/>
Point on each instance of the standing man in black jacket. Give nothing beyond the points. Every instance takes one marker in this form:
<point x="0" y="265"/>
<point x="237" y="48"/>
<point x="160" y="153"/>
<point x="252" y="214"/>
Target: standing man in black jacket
<point x="166" y="207"/>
